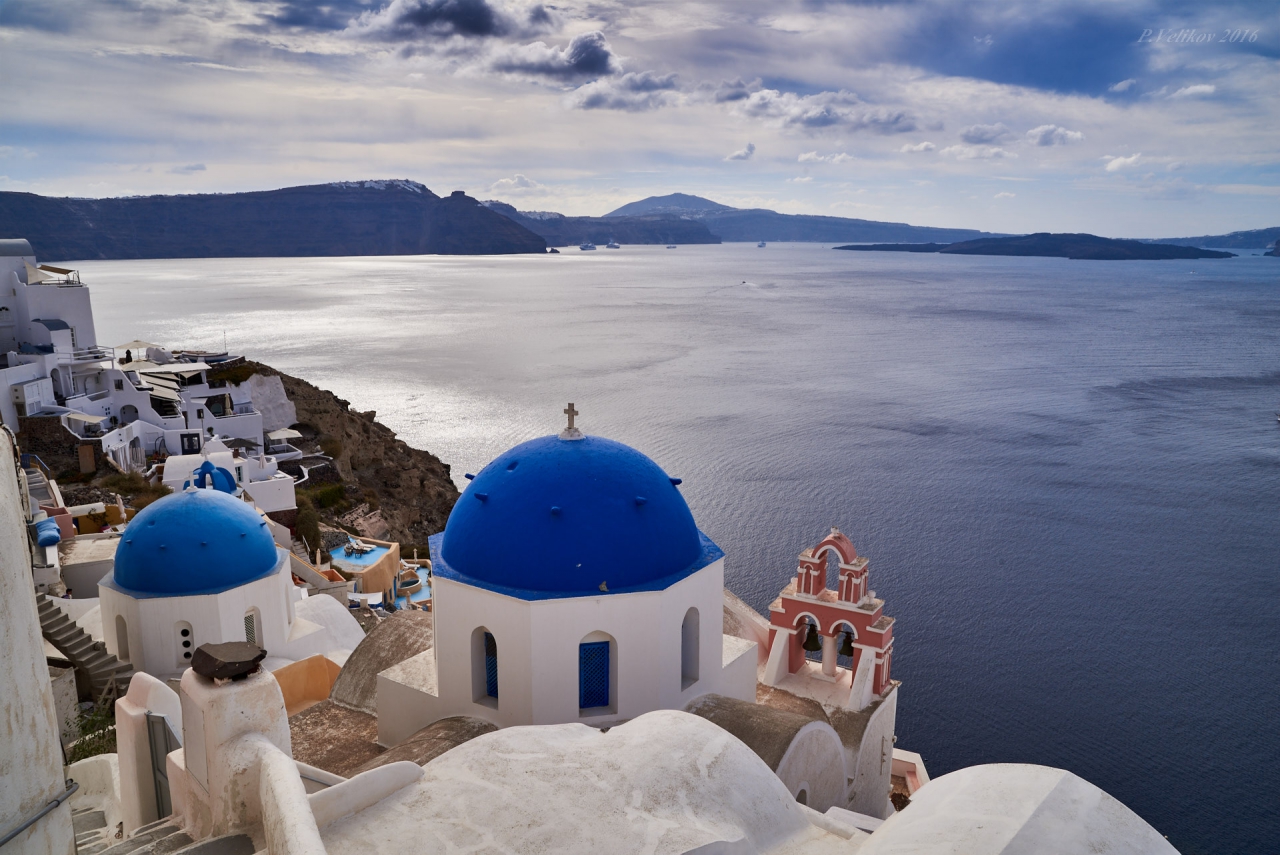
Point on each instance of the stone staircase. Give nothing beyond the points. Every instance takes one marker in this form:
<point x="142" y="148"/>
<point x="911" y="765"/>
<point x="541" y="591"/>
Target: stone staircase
<point x="88" y="656"/>
<point x="165" y="838"/>
<point x="38" y="487"/>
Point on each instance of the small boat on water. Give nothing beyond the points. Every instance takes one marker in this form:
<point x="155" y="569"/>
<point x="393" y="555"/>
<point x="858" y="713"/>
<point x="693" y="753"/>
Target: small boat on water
<point x="671" y="246"/>
<point x="760" y="244"/>
<point x="586" y="245"/>
<point x="612" y="244"/>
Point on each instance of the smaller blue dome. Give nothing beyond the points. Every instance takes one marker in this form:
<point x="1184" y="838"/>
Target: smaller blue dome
<point x="208" y="475"/>
<point x="193" y="542"/>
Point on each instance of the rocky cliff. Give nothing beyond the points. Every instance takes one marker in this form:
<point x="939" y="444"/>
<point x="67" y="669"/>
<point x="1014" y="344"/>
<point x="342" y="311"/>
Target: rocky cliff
<point x="350" y="218"/>
<point x="559" y="230"/>
<point x="411" y="488"/>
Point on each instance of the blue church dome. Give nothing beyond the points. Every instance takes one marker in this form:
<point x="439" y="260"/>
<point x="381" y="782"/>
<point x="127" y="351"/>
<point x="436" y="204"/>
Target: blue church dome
<point x="193" y="542"/>
<point x="556" y="517"/>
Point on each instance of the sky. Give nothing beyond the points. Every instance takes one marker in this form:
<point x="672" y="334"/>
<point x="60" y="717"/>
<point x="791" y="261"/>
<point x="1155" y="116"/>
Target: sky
<point x="1126" y="118"/>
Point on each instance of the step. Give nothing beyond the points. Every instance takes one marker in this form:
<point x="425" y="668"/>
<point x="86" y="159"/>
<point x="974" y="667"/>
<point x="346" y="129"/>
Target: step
<point x="88" y="820"/>
<point x="141" y="839"/>
<point x="166" y="845"/>
<point x="226" y="844"/>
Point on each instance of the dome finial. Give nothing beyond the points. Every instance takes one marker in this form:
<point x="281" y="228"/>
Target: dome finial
<point x="571" y="432"/>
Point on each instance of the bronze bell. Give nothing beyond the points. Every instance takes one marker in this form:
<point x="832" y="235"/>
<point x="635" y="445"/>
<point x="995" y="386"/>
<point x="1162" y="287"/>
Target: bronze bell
<point x="846" y="645"/>
<point x="812" y="641"/>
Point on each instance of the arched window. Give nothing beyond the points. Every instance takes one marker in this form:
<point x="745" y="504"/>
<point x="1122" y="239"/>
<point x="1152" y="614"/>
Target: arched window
<point x="689" y="649"/>
<point x="251" y="626"/>
<point x="484" y="667"/>
<point x="122" y="639"/>
<point x="803" y="796"/>
<point x="597" y="664"/>
<point x="186" y="642"/>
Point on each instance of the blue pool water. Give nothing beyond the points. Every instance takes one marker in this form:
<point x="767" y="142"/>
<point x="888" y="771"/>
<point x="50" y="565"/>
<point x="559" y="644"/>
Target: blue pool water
<point x="358" y="561"/>
<point x="1065" y="474"/>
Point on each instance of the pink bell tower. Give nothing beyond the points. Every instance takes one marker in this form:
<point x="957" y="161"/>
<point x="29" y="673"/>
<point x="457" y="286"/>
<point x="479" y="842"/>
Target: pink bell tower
<point x="848" y="621"/>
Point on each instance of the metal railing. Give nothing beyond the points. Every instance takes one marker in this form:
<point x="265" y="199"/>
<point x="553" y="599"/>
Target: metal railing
<point x="72" y="786"/>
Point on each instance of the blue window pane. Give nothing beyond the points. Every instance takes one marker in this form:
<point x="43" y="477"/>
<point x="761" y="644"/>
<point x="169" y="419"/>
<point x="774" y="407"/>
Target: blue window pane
<point x="490" y="666"/>
<point x="593" y="674"/>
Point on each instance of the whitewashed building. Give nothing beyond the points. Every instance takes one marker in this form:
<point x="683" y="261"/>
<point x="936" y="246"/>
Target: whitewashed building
<point x="570" y="584"/>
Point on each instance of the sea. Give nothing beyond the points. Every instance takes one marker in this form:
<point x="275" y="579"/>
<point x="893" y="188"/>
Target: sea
<point x="1065" y="474"/>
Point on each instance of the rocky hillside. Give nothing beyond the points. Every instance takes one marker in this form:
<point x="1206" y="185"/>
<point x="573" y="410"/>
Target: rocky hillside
<point x="411" y="488"/>
<point x="350" y="218"/>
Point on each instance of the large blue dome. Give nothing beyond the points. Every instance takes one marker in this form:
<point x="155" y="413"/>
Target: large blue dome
<point x="557" y="518"/>
<point x="193" y="542"/>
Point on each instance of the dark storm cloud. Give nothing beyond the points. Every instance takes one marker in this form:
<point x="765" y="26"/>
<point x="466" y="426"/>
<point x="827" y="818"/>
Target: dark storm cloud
<point x="587" y="56"/>
<point x="306" y="15"/>
<point x="420" y="20"/>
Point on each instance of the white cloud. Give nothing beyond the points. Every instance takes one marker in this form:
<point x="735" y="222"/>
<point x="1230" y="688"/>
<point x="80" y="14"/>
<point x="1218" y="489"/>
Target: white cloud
<point x="1052" y="135"/>
<point x="1122" y="86"/>
<point x="743" y="153"/>
<point x="985" y="134"/>
<point x="822" y="110"/>
<point x="918" y="147"/>
<point x="1115" y="164"/>
<point x="814" y="157"/>
<point x="632" y="92"/>
<point x="516" y="184"/>
<point x="977" y="152"/>
<point x="1195" y="91"/>
<point x="1004" y="195"/>
<point x="801" y="179"/>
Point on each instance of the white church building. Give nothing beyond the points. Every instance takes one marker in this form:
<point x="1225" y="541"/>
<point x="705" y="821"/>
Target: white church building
<point x="570" y="584"/>
<point x="200" y="566"/>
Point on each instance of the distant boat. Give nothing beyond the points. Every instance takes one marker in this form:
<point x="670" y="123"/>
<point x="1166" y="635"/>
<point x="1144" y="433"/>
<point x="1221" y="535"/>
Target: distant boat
<point x="671" y="246"/>
<point x="612" y="244"/>
<point x="586" y="245"/>
<point x="760" y="244"/>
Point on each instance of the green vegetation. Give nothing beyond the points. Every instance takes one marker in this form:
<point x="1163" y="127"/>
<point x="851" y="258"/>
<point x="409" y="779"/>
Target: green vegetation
<point x="308" y="524"/>
<point x="328" y="496"/>
<point x="96" y="727"/>
<point x="137" y="491"/>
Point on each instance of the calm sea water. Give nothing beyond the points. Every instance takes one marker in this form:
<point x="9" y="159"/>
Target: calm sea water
<point x="1064" y="473"/>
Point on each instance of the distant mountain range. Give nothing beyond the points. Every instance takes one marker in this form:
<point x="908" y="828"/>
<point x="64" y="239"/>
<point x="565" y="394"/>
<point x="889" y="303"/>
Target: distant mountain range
<point x="1045" y="245"/>
<point x="755" y="224"/>
<point x="559" y="230"/>
<point x="1254" y="239"/>
<point x="347" y="218"/>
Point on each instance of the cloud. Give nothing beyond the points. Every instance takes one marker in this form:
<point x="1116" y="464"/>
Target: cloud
<point x="1053" y="135"/>
<point x="1122" y="86"/>
<point x="814" y="157"/>
<point x="189" y="169"/>
<point x="633" y="92"/>
<point x="744" y="153"/>
<point x="1195" y="91"/>
<point x="985" y="134"/>
<point x="516" y="184"/>
<point x="734" y="90"/>
<point x="1115" y="164"/>
<point x="918" y="147"/>
<point x="1004" y="195"/>
<point x="11" y="151"/>
<point x="821" y="110"/>
<point x="419" y="20"/>
<point x="587" y="56"/>
<point x="801" y="179"/>
<point x="977" y="152"/>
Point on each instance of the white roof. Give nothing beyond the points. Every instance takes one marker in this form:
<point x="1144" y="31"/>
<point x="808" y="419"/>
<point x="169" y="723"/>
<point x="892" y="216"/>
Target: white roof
<point x="85" y="417"/>
<point x="171" y="367"/>
<point x="1006" y="808"/>
<point x="664" y="782"/>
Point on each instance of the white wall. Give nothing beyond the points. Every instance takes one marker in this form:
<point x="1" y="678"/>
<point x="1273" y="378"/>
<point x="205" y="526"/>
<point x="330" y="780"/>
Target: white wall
<point x="154" y="643"/>
<point x="538" y="642"/>
<point x="30" y="753"/>
<point x="869" y="792"/>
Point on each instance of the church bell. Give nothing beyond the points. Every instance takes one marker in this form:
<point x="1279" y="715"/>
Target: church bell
<point x="846" y="645"/>
<point x="812" y="641"/>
